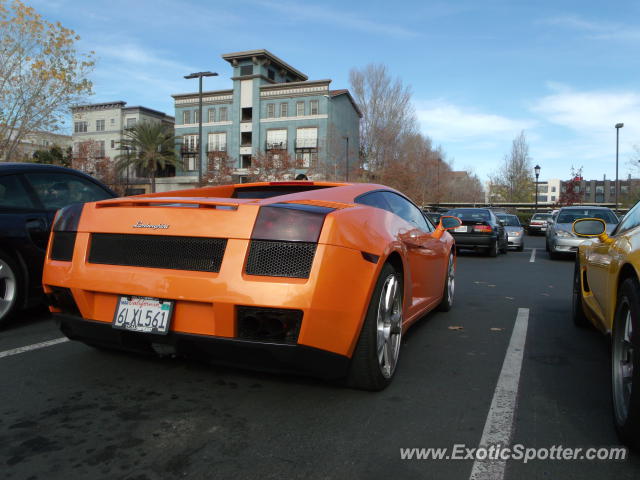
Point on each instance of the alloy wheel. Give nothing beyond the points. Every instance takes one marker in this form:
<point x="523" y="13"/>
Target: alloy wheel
<point x="7" y="288"/>
<point x="389" y="325"/>
<point x="622" y="365"/>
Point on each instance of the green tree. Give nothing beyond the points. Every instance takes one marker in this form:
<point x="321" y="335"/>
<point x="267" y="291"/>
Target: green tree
<point x="41" y="74"/>
<point x="151" y="147"/>
<point x="54" y="156"/>
<point x="514" y="181"/>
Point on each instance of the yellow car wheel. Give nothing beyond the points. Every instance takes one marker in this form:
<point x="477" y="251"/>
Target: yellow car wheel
<point x="577" y="312"/>
<point x="625" y="364"/>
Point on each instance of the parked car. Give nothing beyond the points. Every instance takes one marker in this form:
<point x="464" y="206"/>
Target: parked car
<point x="30" y="194"/>
<point x="560" y="238"/>
<point x="515" y="230"/>
<point x="480" y="230"/>
<point x="538" y="223"/>
<point x="606" y="294"/>
<point x="318" y="278"/>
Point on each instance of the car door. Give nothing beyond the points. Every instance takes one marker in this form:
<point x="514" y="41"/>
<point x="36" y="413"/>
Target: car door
<point x="23" y="224"/>
<point x="602" y="258"/>
<point x="426" y="253"/>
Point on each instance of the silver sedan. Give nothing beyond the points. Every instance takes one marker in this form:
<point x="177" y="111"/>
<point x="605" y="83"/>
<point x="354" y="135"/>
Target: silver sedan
<point x="515" y="231"/>
<point x="560" y="238"/>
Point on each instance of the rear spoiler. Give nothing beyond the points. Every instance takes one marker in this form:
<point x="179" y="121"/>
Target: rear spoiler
<point x="168" y="202"/>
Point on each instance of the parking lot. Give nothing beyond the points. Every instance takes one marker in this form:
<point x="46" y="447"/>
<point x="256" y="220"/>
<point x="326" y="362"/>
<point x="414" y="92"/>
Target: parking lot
<point x="72" y="410"/>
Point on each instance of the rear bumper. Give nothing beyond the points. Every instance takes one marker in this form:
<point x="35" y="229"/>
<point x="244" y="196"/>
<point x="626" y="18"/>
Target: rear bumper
<point x="261" y="356"/>
<point x="515" y="242"/>
<point x="537" y="228"/>
<point x="474" y="240"/>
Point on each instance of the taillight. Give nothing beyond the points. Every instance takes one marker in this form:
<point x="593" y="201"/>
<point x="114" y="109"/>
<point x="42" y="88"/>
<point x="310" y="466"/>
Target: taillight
<point x="482" y="228"/>
<point x="290" y="223"/>
<point x="65" y="227"/>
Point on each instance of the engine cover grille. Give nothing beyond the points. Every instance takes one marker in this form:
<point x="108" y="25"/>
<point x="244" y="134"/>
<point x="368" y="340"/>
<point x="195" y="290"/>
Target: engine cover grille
<point x="153" y="251"/>
<point x="280" y="259"/>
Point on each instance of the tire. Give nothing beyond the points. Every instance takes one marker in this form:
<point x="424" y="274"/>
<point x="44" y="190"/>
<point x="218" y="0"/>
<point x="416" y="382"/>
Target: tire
<point x="493" y="249"/>
<point x="625" y="364"/>
<point x="449" y="286"/>
<point x="546" y="245"/>
<point x="577" y="312"/>
<point x="11" y="287"/>
<point x="505" y="247"/>
<point x="369" y="369"/>
<point x="521" y="247"/>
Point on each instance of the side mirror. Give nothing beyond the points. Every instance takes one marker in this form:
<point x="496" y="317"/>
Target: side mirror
<point x="449" y="223"/>
<point x="589" y="227"/>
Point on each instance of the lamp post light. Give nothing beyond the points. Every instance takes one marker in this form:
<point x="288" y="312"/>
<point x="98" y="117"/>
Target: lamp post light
<point x="199" y="76"/>
<point x="346" y="156"/>
<point x="618" y="127"/>
<point x="536" y="169"/>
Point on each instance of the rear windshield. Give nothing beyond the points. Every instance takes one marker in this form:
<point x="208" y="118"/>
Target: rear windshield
<point x="541" y="216"/>
<point x="509" y="220"/>
<point x="570" y="216"/>
<point x="470" y="214"/>
<point x="268" y="192"/>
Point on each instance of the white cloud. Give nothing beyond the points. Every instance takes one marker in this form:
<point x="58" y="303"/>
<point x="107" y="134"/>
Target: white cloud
<point x="341" y="18"/>
<point x="446" y="122"/>
<point x="596" y="30"/>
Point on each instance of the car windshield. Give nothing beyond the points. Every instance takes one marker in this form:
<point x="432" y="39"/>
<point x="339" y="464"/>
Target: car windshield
<point x="570" y="216"/>
<point x="471" y="214"/>
<point x="510" y="220"/>
<point x="541" y="216"/>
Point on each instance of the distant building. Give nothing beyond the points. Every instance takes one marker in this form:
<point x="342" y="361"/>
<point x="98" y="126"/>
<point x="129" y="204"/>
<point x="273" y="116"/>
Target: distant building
<point x="103" y="126"/>
<point x="604" y="191"/>
<point x="272" y="109"/>
<point x="34" y="141"/>
<point x="549" y="191"/>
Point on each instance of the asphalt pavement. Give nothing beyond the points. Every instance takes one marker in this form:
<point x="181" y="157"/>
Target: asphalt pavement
<point x="72" y="411"/>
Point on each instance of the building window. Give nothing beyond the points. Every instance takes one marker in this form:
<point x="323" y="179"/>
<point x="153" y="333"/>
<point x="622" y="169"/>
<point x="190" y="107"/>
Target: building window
<point x="212" y="115"/>
<point x="313" y="106"/>
<point x="246" y="70"/>
<point x="587" y="189"/>
<point x="223" y="114"/>
<point x="277" y="139"/>
<point x="196" y="116"/>
<point x="131" y="122"/>
<point x="113" y="144"/>
<point x="299" y="109"/>
<point x="624" y="189"/>
<point x="553" y="198"/>
<point x="100" y="149"/>
<point x="217" y="142"/>
<point x="186" y="117"/>
<point x="307" y="137"/>
<point x="190" y="151"/>
<point x="612" y="189"/>
<point x="99" y="125"/>
<point x="306" y="159"/>
<point x="271" y="110"/>
<point x="284" y="109"/>
<point x="79" y="127"/>
<point x="112" y="122"/>
<point x="271" y="74"/>
<point x="553" y="189"/>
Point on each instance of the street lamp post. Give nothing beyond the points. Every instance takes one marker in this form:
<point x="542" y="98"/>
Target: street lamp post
<point x="536" y="169"/>
<point x="199" y="76"/>
<point x="618" y="127"/>
<point x="347" y="158"/>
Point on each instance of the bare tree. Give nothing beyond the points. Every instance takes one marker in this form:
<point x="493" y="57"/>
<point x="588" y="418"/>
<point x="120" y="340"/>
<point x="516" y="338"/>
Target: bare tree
<point x="387" y="114"/>
<point x="272" y="166"/>
<point x="514" y="181"/>
<point x="41" y="74"/>
<point x="219" y="171"/>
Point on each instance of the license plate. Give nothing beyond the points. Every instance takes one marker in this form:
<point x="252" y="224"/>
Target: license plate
<point x="143" y="314"/>
<point x="461" y="229"/>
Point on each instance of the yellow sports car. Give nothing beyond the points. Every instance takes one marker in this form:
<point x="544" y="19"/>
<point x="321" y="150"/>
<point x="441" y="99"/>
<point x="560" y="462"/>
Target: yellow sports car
<point x="606" y="293"/>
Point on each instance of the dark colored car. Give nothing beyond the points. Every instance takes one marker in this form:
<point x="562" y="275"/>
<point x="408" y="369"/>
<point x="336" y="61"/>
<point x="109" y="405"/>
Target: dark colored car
<point x="30" y="195"/>
<point x="434" y="217"/>
<point x="480" y="230"/>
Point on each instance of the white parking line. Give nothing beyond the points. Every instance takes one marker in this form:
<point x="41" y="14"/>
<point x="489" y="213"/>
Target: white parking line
<point x="499" y="427"/>
<point x="34" y="346"/>
<point x="533" y="256"/>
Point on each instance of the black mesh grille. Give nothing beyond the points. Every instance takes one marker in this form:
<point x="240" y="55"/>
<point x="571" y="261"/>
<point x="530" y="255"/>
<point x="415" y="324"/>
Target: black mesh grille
<point x="62" y="246"/>
<point x="280" y="259"/>
<point x="176" y="253"/>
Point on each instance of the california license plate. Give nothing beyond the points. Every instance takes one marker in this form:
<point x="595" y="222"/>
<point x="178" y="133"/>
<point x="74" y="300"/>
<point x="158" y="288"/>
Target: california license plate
<point x="143" y="314"/>
<point x="461" y="229"/>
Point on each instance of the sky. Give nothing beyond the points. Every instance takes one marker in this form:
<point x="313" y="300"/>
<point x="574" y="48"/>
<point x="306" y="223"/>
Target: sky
<point x="564" y="72"/>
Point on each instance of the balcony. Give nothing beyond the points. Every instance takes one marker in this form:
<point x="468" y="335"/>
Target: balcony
<point x="277" y="145"/>
<point x="306" y="143"/>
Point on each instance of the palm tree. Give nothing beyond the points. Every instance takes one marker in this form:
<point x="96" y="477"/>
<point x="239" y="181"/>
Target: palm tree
<point x="150" y="146"/>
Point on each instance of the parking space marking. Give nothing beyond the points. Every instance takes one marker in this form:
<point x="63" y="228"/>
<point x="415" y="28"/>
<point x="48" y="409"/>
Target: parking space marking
<point x="34" y="346"/>
<point x="498" y="428"/>
<point x="533" y="256"/>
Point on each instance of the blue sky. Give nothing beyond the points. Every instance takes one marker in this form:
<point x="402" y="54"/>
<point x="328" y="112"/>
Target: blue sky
<point x="565" y="72"/>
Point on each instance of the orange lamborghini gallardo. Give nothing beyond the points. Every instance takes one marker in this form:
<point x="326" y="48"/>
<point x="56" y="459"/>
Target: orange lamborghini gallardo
<point x="312" y="277"/>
